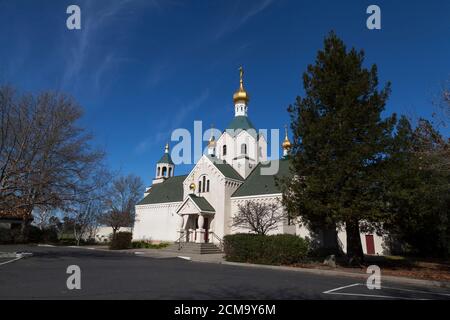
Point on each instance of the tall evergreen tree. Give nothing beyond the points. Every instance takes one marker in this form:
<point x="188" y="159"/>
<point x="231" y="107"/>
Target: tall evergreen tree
<point x="340" y="143"/>
<point x="418" y="190"/>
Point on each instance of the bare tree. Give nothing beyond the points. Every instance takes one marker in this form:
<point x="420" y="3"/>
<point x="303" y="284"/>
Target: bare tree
<point x="42" y="217"/>
<point x="45" y="157"/>
<point x="258" y="217"/>
<point x="84" y="217"/>
<point x="123" y="195"/>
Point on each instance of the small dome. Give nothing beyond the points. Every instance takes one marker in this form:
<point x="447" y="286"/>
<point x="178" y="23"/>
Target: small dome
<point x="286" y="143"/>
<point x="241" y="94"/>
<point x="212" y="142"/>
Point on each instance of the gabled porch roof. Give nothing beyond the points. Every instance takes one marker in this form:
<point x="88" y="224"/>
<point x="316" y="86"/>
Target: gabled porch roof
<point x="200" y="204"/>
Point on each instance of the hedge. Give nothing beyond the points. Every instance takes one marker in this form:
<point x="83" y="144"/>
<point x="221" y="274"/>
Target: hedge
<point x="280" y="249"/>
<point x="122" y="240"/>
<point x="148" y="245"/>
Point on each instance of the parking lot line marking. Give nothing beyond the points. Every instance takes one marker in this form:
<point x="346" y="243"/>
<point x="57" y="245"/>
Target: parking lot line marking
<point x="334" y="291"/>
<point x="185" y="258"/>
<point x="375" y="296"/>
<point x="419" y="291"/>
<point x="15" y="259"/>
<point x="344" y="287"/>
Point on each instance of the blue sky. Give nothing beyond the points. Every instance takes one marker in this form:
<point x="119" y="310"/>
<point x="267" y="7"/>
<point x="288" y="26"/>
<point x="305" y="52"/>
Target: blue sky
<point x="142" y="68"/>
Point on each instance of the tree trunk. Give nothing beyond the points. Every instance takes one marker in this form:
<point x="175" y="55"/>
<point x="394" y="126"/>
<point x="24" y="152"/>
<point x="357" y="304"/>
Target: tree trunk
<point x="24" y="230"/>
<point x="354" y="247"/>
<point x="114" y="233"/>
<point x="330" y="241"/>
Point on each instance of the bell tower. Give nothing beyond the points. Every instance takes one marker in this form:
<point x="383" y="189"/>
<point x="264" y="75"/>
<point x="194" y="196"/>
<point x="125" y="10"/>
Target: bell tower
<point x="164" y="167"/>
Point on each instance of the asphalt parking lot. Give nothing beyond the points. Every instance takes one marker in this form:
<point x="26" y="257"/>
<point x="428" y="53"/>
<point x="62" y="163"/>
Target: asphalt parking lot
<point x="115" y="275"/>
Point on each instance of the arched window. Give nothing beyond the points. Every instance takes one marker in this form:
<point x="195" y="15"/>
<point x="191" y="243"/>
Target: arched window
<point x="224" y="150"/>
<point x="199" y="186"/>
<point x="159" y="171"/>
<point x="243" y="148"/>
<point x="164" y="171"/>
<point x="170" y="172"/>
<point x="204" y="184"/>
<point x="207" y="185"/>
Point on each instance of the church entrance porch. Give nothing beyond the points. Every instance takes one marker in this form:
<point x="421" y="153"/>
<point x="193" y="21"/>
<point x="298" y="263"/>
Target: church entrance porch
<point x="196" y="228"/>
<point x="196" y="215"/>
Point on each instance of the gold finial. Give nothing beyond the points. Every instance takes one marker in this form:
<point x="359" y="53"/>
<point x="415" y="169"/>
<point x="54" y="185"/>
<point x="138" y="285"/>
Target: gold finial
<point x="212" y="139"/>
<point x="286" y="143"/>
<point x="192" y="185"/>
<point x="241" y="94"/>
<point x="241" y="78"/>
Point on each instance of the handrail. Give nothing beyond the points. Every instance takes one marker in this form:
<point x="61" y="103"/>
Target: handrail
<point x="179" y="241"/>
<point x="219" y="239"/>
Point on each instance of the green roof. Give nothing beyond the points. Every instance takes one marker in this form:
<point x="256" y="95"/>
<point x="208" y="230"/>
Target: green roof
<point x="171" y="190"/>
<point x="166" y="158"/>
<point x="257" y="183"/>
<point x="241" y="123"/>
<point x="202" y="203"/>
<point x="226" y="169"/>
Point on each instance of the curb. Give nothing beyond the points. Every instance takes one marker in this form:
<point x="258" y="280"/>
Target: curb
<point x="402" y="280"/>
<point x="7" y="255"/>
<point x="14" y="256"/>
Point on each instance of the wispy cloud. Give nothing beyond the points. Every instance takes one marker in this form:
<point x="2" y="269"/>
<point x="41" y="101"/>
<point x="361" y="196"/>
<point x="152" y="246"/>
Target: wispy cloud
<point x="234" y="24"/>
<point x="174" y="121"/>
<point x="92" y="25"/>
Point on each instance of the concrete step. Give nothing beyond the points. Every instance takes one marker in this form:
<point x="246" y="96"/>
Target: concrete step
<point x="194" y="248"/>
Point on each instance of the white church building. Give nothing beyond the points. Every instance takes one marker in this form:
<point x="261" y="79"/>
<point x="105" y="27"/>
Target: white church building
<point x="198" y="207"/>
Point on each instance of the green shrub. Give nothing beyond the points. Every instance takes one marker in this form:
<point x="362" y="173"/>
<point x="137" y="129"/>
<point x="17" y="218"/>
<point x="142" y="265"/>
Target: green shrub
<point x="46" y="235"/>
<point x="5" y="236"/>
<point x="34" y="234"/>
<point x="122" y="240"/>
<point x="148" y="245"/>
<point x="280" y="249"/>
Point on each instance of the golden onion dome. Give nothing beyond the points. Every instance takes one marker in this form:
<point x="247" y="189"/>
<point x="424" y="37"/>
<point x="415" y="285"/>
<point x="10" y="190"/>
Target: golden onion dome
<point x="192" y="186"/>
<point x="286" y="143"/>
<point x="212" y="142"/>
<point x="241" y="94"/>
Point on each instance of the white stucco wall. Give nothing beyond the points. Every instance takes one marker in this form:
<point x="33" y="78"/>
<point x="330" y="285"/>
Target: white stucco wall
<point x="104" y="233"/>
<point x="378" y="241"/>
<point x="157" y="222"/>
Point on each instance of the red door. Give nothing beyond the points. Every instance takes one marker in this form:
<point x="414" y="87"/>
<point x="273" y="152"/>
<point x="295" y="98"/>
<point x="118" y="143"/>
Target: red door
<point x="370" y="245"/>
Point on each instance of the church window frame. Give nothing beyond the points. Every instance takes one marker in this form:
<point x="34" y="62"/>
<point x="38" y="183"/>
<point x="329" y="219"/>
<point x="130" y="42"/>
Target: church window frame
<point x="244" y="148"/>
